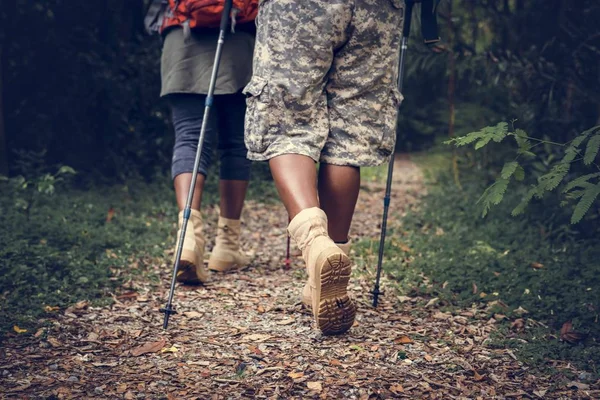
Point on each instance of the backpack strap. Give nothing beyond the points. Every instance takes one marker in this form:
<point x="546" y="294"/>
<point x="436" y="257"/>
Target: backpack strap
<point x="154" y="16"/>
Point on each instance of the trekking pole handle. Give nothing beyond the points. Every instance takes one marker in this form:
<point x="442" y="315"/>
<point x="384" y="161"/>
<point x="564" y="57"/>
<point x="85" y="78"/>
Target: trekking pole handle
<point x="226" y="14"/>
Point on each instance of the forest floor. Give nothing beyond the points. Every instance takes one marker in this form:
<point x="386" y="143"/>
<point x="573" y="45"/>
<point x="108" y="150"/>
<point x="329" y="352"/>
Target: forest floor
<point x="246" y="334"/>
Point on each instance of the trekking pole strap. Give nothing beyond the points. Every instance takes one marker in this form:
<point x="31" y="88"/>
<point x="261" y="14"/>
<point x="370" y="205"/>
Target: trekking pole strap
<point x="429" y="25"/>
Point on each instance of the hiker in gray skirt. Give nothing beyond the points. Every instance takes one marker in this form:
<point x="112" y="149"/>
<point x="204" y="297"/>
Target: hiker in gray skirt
<point x="186" y="66"/>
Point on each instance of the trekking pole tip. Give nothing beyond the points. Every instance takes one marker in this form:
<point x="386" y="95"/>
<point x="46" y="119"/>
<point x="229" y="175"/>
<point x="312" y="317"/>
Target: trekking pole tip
<point x="168" y="310"/>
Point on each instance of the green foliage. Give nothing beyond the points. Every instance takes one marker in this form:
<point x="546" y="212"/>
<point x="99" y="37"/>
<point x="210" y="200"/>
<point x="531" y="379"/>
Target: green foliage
<point x="559" y="173"/>
<point x="452" y="249"/>
<point x="30" y="188"/>
<point x="69" y="249"/>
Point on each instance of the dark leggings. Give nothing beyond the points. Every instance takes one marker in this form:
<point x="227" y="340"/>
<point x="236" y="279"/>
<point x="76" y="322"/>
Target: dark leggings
<point x="226" y="121"/>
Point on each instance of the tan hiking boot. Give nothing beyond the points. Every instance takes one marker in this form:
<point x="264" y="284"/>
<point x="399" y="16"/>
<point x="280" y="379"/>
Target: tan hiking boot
<point x="306" y="293"/>
<point x="191" y="266"/>
<point x="226" y="254"/>
<point x="328" y="272"/>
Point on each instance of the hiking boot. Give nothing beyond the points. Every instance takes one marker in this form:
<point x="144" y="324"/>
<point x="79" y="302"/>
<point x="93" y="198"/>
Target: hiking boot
<point x="328" y="270"/>
<point x="306" y="293"/>
<point x="226" y="254"/>
<point x="191" y="266"/>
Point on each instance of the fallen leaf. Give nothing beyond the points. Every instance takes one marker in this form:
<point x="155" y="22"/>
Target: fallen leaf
<point x="92" y="336"/>
<point x="441" y="315"/>
<point x="135" y="333"/>
<point x="521" y="311"/>
<point x="150" y="347"/>
<point x="403" y="340"/>
<point x="171" y="349"/>
<point x="567" y="334"/>
<point x="19" y="330"/>
<point x="110" y="214"/>
<point x="127" y="295"/>
<point x="578" y="385"/>
<point x="192" y="314"/>
<point x="477" y="376"/>
<point x="286" y="321"/>
<point x="257" y="337"/>
<point x="428" y="357"/>
<point x="122" y="388"/>
<point x="54" y="342"/>
<point x="40" y="332"/>
<point x="537" y="265"/>
<point x="540" y="393"/>
<point x="356" y="347"/>
<point x="474" y="288"/>
<point x="314" y="386"/>
<point x="111" y="364"/>
<point x="296" y="375"/>
<point x="518" y="324"/>
<point x="81" y="304"/>
<point x="129" y="395"/>
<point x="49" y="309"/>
<point x="335" y="362"/>
<point x="482" y="294"/>
<point x="20" y="388"/>
<point x="396" y="389"/>
<point x="431" y="302"/>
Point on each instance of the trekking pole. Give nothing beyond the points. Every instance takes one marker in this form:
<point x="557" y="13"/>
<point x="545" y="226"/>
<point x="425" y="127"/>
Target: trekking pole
<point x="388" y="187"/>
<point x="288" y="261"/>
<point x="168" y="310"/>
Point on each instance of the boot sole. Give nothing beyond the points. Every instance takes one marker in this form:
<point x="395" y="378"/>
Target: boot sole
<point x="187" y="271"/>
<point x="335" y="311"/>
<point x="223" y="266"/>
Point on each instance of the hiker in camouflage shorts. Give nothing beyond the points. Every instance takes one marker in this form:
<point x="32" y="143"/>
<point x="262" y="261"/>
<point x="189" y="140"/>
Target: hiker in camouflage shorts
<point x="324" y="89"/>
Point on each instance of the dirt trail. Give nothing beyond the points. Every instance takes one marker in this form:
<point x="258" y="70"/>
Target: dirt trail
<point x="246" y="335"/>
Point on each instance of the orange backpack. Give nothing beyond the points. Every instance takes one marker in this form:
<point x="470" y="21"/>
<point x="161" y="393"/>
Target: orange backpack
<point x="206" y="13"/>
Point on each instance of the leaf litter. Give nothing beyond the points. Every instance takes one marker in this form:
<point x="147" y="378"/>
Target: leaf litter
<point x="247" y="335"/>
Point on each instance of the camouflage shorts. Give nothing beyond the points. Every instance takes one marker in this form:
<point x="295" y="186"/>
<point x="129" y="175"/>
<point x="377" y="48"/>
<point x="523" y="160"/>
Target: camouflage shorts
<point x="324" y="80"/>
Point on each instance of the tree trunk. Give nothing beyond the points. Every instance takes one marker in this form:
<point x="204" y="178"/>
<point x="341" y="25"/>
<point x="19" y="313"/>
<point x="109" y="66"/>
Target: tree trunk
<point x="3" y="146"/>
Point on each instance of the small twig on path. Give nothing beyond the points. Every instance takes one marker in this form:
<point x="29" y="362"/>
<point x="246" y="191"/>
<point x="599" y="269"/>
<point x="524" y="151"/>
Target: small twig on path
<point x="262" y="371"/>
<point x="221" y="380"/>
<point x="439" y="384"/>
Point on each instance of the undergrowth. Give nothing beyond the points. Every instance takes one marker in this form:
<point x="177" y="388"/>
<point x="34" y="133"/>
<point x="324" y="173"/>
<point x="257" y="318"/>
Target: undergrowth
<point x="82" y="244"/>
<point x="534" y="267"/>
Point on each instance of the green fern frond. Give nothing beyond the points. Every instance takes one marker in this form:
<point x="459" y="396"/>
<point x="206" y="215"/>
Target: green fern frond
<point x="551" y="180"/>
<point x="520" y="208"/>
<point x="580" y="181"/>
<point x="493" y="195"/>
<point x="519" y="173"/>
<point x="509" y="169"/>
<point x="575" y="194"/>
<point x="523" y="141"/>
<point x="591" y="151"/>
<point x="496" y="133"/>
<point x="583" y="135"/>
<point x="588" y="198"/>
<point x="570" y="154"/>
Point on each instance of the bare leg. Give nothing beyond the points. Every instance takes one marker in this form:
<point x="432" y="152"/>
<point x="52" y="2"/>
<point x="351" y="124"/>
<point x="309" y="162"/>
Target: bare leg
<point x="296" y="181"/>
<point x="232" y="194"/>
<point x="182" y="188"/>
<point x="338" y="192"/>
